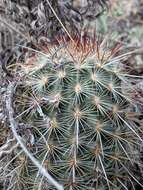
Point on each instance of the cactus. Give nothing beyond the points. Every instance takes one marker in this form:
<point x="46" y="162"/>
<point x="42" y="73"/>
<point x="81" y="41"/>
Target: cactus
<point x="74" y="119"/>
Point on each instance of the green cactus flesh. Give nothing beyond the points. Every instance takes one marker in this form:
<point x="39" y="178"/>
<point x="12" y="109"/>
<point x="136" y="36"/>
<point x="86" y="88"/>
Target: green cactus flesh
<point x="72" y="97"/>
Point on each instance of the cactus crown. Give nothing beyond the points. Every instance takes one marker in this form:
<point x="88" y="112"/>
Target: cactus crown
<point x="72" y="97"/>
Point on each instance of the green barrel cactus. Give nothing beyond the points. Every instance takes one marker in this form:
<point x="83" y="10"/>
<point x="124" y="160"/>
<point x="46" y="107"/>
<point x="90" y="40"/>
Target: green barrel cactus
<point x="73" y="103"/>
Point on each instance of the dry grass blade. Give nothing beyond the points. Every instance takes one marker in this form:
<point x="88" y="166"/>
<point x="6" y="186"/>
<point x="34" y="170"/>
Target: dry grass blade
<point x="59" y="20"/>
